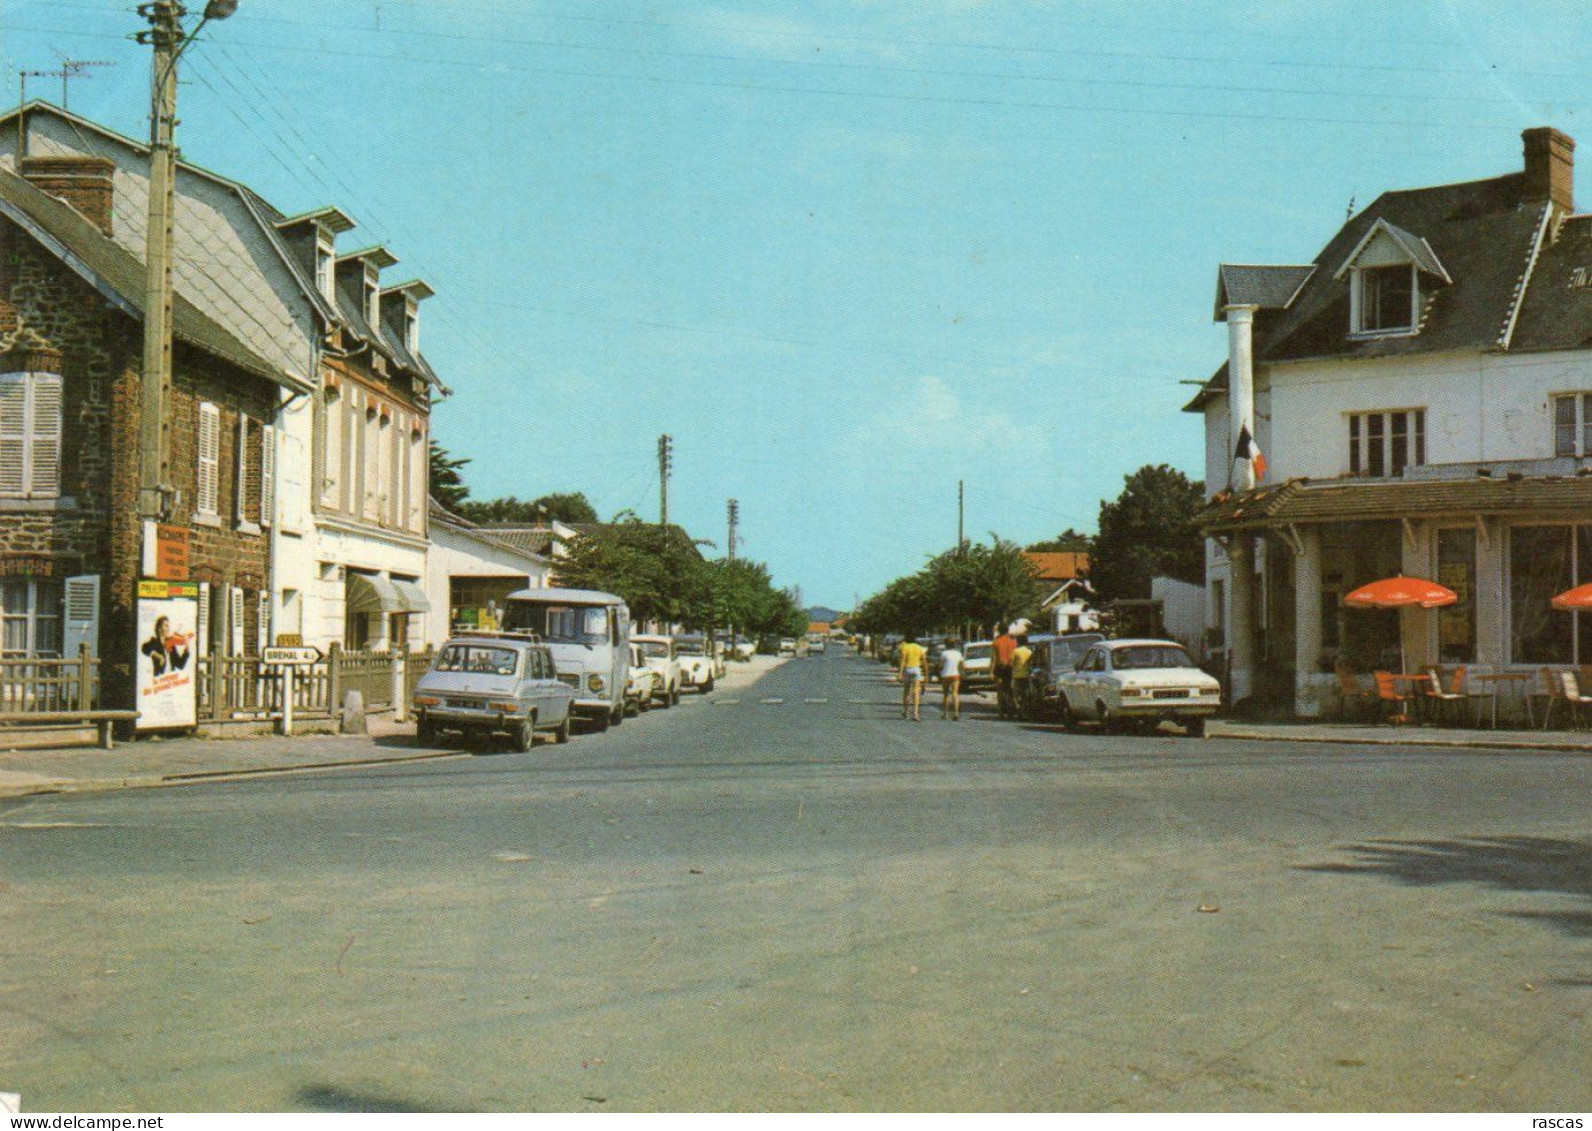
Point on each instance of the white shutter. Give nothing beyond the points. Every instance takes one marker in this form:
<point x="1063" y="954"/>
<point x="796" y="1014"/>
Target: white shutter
<point x="82" y="615"/>
<point x="202" y="646"/>
<point x="13" y="434"/>
<point x="236" y="626"/>
<point x="209" y="457"/>
<point x="293" y="491"/>
<point x="240" y="512"/>
<point x="264" y="609"/>
<point x="44" y="428"/>
<point x="267" y="475"/>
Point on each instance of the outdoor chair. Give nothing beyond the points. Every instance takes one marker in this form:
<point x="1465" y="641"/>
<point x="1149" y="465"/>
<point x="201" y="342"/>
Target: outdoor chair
<point x="1394" y="700"/>
<point x="1552" y="691"/>
<point x="1572" y="695"/>
<point x="1352" y="695"/>
<point x="1453" y="696"/>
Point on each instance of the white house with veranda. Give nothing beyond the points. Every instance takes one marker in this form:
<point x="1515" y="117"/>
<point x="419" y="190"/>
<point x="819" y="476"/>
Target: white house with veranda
<point x="1421" y="392"/>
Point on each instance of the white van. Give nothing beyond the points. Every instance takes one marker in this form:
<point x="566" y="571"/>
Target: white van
<point x="589" y="635"/>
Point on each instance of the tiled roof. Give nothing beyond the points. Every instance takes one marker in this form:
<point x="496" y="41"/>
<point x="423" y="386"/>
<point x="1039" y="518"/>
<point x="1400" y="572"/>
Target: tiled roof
<point x="120" y="276"/>
<point x="1298" y="501"/>
<point x="1263" y="285"/>
<point x="1059" y="565"/>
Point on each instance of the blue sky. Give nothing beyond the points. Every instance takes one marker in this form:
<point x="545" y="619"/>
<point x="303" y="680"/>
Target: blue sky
<point x="846" y="252"/>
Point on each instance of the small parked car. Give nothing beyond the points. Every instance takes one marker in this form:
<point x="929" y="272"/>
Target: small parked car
<point x="817" y="642"/>
<point x="640" y="683"/>
<point x="698" y="668"/>
<point x="1139" y="684"/>
<point x="659" y="653"/>
<point x="787" y="645"/>
<point x="1053" y="660"/>
<point x="492" y="683"/>
<point x="976" y="674"/>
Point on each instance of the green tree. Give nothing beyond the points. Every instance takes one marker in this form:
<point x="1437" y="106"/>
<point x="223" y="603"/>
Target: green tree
<point x="1148" y="531"/>
<point x="447" y="484"/>
<point x="976" y="585"/>
<point x="573" y="507"/>
<point x="1069" y="540"/>
<point x="658" y="570"/>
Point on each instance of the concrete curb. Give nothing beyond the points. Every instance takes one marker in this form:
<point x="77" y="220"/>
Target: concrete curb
<point x="1408" y="740"/>
<point x="200" y="777"/>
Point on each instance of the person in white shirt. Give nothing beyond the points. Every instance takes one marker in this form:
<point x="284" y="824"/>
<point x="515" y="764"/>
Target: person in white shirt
<point x="951" y="661"/>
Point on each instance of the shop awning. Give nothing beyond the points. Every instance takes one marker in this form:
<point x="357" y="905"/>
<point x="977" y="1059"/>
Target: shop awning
<point x="1297" y="501"/>
<point x="372" y="593"/>
<point x="413" y="597"/>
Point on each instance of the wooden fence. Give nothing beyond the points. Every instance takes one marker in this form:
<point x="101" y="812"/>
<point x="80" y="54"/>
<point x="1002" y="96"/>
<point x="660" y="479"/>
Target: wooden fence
<point x="31" y="686"/>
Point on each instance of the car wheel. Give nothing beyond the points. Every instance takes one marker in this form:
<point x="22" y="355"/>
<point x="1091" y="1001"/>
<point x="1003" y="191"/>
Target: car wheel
<point x="426" y="733"/>
<point x="1103" y="714"/>
<point x="667" y="701"/>
<point x="525" y="735"/>
<point x="618" y="715"/>
<point x="708" y="686"/>
<point x="600" y="722"/>
<point x="676" y="697"/>
<point x="1065" y="715"/>
<point x="1195" y="727"/>
<point x="561" y="735"/>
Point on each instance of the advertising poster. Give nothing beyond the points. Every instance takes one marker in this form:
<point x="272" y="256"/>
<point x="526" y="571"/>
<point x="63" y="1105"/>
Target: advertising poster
<point x="168" y="622"/>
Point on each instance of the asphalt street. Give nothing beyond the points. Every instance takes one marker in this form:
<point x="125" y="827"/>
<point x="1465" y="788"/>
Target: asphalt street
<point x="786" y="897"/>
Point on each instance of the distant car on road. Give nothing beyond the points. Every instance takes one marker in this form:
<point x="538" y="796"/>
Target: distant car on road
<point x="493" y="683"/>
<point x="1139" y="684"/>
<point x="816" y="642"/>
<point x="787" y="646"/>
<point x="976" y="674"/>
<point x="639" y="686"/>
<point x="698" y="668"/>
<point x="660" y="657"/>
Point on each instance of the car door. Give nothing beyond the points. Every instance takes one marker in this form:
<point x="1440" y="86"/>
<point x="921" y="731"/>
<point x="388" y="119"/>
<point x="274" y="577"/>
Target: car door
<point x="552" y="695"/>
<point x="1080" y="685"/>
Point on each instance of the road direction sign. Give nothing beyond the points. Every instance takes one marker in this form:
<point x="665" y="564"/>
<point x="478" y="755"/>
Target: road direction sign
<point x="301" y="657"/>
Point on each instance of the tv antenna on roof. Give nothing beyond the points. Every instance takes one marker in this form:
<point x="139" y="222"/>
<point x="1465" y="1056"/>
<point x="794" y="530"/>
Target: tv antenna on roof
<point x="68" y="70"/>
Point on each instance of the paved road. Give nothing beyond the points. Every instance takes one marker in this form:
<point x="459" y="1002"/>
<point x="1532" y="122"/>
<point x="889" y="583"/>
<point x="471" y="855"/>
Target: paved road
<point x="809" y="903"/>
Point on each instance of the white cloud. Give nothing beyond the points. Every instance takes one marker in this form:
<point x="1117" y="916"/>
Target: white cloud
<point x="928" y="416"/>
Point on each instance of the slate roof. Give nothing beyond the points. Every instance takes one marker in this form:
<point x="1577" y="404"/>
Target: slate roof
<point x="1267" y="286"/>
<point x="529" y="539"/>
<point x="1298" y="501"/>
<point x="441" y="515"/>
<point x="1486" y="235"/>
<point x="121" y="277"/>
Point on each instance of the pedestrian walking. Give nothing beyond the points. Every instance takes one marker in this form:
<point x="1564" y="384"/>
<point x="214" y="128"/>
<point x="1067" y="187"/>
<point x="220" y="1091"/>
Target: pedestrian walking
<point x="951" y="662"/>
<point x="1000" y="662"/>
<point x="910" y="662"/>
<point x="1021" y="655"/>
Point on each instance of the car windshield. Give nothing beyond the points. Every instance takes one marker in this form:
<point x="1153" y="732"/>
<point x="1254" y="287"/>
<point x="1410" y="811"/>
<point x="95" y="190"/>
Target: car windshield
<point x="688" y="647"/>
<point x="653" y="648"/>
<point x="1141" y="656"/>
<point x="977" y="652"/>
<point x="478" y="658"/>
<point x="563" y="624"/>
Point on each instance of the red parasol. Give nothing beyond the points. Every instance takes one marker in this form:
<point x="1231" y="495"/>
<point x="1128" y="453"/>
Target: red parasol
<point x="1572" y="599"/>
<point x="1401" y="593"/>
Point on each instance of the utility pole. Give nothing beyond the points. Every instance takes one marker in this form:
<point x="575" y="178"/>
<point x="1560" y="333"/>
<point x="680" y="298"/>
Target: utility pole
<point x="734" y="512"/>
<point x="961" y="513"/>
<point x="665" y="465"/>
<point x="165" y="36"/>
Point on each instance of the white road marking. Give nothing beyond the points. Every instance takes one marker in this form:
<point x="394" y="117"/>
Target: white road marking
<point x="815" y="700"/>
<point x="773" y="700"/>
<point x="727" y="703"/>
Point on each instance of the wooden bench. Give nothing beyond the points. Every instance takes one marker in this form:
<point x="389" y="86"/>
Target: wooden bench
<point x="104" y="720"/>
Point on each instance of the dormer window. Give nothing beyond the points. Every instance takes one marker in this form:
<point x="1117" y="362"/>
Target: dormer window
<point x="411" y="326"/>
<point x="1386" y="299"/>
<point x="1387" y="272"/>
<point x="325" y="275"/>
<point x="372" y="294"/>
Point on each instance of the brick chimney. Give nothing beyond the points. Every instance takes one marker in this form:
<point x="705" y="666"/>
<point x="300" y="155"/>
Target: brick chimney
<point x="1550" y="167"/>
<point x="83" y="182"/>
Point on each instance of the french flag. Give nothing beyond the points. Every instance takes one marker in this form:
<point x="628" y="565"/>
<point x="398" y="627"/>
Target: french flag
<point x="1248" y="449"/>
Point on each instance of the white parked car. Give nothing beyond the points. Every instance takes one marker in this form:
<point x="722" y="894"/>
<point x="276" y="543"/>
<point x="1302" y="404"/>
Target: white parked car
<point x="698" y="668"/>
<point x="976" y="674"/>
<point x="659" y="653"/>
<point x="787" y="646"/>
<point x="1139" y="683"/>
<point x="816" y="642"/>
<point x="639" y="686"/>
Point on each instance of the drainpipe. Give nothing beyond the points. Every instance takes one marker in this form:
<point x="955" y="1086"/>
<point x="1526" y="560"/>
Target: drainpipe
<point x="1240" y="391"/>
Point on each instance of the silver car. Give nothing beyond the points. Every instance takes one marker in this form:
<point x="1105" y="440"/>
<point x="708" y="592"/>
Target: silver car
<point x="493" y="683"/>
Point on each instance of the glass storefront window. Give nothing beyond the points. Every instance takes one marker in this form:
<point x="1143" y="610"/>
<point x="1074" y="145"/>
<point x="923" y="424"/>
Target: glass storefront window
<point x="1541" y="563"/>
<point x="1456" y="623"/>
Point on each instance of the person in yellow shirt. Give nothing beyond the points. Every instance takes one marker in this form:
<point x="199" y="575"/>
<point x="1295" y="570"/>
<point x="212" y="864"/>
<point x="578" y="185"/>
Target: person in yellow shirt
<point x="1021" y="656"/>
<point x="909" y="666"/>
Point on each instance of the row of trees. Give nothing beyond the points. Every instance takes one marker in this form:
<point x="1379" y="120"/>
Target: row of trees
<point x="1149" y="530"/>
<point x="658" y="570"/>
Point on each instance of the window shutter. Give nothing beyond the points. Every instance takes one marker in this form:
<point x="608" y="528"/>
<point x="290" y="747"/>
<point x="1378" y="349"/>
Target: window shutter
<point x="237" y="620"/>
<point x="209" y="457"/>
<point x="82" y="615"/>
<point x="13" y="434"/>
<point x="240" y="511"/>
<point x="202" y="645"/>
<point x="267" y="475"/>
<point x="264" y="602"/>
<point x="44" y="463"/>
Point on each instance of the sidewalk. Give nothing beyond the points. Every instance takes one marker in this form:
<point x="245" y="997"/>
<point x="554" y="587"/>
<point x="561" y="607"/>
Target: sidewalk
<point x="171" y="761"/>
<point x="1359" y="734"/>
